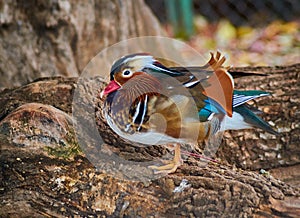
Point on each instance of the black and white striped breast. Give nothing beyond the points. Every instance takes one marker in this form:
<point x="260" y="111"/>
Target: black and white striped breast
<point x="127" y="115"/>
<point x="139" y="113"/>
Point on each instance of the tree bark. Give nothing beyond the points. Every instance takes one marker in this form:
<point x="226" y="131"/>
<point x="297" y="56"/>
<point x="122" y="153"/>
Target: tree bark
<point x="45" y="173"/>
<point x="51" y="38"/>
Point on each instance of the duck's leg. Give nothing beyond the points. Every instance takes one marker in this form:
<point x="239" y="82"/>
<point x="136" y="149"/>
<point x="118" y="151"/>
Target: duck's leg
<point x="172" y="166"/>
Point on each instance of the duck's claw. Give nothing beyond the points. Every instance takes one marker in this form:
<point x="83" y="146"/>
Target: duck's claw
<point x="172" y="165"/>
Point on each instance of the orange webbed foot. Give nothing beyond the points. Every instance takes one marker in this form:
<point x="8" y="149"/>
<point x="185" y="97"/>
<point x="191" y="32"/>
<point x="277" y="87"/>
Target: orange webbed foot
<point x="172" y="165"/>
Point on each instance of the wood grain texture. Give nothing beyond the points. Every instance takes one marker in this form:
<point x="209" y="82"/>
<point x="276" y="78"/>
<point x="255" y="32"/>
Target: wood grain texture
<point x="35" y="182"/>
<point x="52" y="38"/>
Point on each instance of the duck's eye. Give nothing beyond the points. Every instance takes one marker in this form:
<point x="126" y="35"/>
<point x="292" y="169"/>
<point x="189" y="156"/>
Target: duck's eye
<point x="127" y="73"/>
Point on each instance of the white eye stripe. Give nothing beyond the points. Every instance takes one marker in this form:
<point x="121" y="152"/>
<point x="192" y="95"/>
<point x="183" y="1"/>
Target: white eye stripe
<point x="127" y="73"/>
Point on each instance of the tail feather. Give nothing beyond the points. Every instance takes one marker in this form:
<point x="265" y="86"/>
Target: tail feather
<point x="253" y="120"/>
<point x="238" y="74"/>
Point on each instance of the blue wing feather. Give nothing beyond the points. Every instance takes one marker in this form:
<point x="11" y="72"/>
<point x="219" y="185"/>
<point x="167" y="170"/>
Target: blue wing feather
<point x="239" y="98"/>
<point x="211" y="107"/>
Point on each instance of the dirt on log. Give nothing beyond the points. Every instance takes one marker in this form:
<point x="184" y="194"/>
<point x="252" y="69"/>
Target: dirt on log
<point x="45" y="173"/>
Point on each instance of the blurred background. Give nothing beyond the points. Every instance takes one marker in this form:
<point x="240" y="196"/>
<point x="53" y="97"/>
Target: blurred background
<point x="59" y="37"/>
<point x="258" y="32"/>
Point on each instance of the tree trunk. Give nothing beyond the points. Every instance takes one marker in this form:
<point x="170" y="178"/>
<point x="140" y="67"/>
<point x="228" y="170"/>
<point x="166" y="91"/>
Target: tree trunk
<point x="44" y="172"/>
<point x="48" y="38"/>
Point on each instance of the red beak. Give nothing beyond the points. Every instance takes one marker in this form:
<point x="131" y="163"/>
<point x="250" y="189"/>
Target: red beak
<point x="111" y="87"/>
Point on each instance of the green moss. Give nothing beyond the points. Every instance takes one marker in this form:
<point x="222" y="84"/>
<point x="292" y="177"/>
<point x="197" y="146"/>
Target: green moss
<point x="66" y="149"/>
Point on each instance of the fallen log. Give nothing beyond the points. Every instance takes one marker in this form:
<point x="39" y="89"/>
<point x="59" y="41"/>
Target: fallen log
<point x="44" y="171"/>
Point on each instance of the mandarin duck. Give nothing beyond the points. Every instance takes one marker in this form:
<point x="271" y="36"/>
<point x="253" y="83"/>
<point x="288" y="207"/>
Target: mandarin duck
<point x="149" y="103"/>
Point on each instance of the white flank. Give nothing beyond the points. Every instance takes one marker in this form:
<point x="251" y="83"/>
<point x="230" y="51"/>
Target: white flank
<point x="235" y="122"/>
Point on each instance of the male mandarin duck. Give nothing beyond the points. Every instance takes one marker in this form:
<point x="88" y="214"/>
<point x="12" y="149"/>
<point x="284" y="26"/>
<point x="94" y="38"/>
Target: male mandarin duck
<point x="150" y="103"/>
